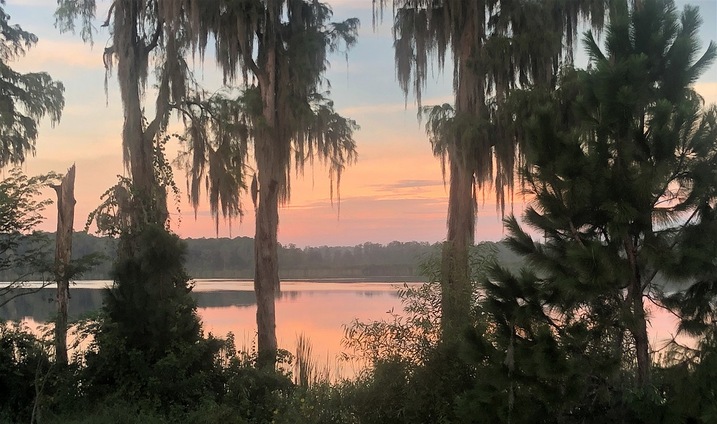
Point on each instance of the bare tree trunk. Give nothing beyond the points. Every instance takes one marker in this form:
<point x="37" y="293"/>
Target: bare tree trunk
<point x="63" y="253"/>
<point x="269" y="167"/>
<point x="456" y="285"/>
<point x="266" y="271"/>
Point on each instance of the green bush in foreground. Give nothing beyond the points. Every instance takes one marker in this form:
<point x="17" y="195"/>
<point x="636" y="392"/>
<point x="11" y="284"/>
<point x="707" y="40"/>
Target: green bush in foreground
<point x="148" y="343"/>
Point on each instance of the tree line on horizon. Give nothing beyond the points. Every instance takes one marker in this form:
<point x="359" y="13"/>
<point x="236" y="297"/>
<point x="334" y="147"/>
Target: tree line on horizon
<point x="233" y="258"/>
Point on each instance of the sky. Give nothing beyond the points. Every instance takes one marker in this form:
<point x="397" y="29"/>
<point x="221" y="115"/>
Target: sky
<point x="395" y="191"/>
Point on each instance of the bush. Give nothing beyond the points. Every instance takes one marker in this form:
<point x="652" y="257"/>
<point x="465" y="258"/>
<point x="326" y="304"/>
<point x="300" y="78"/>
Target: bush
<point x="24" y="365"/>
<point x="149" y="343"/>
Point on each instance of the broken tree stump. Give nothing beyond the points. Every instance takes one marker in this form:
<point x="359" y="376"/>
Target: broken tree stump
<point x="63" y="253"/>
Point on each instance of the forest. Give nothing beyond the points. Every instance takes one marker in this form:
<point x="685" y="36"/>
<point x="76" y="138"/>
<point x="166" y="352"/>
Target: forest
<point x="617" y="160"/>
<point x="234" y="259"/>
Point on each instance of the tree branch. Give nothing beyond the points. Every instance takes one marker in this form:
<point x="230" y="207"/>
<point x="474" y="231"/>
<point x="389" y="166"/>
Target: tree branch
<point x="106" y="23"/>
<point x="17" y="286"/>
<point x="155" y="37"/>
<point x="161" y="108"/>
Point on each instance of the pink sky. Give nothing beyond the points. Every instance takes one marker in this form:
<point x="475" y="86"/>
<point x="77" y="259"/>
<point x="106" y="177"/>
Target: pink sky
<point x="394" y="191"/>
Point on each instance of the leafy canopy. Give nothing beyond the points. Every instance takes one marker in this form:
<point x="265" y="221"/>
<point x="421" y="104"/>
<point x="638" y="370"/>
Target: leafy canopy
<point x="24" y="98"/>
<point x="24" y="251"/>
<point x="620" y="165"/>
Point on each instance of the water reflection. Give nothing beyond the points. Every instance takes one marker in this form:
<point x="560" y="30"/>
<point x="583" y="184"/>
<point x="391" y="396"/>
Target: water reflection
<point x="41" y="306"/>
<point x="319" y="310"/>
<point x="87" y="297"/>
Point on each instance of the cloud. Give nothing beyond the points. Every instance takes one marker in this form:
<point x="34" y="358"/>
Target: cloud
<point x="402" y="185"/>
<point x="55" y="55"/>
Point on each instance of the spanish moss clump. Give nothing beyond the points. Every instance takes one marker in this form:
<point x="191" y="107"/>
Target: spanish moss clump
<point x="496" y="46"/>
<point x="279" y="51"/>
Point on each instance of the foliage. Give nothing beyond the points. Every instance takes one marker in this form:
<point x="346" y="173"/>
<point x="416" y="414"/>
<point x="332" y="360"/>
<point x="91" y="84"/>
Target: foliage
<point x="24" y="98"/>
<point x="220" y="129"/>
<point x="149" y="343"/>
<point x="525" y="351"/>
<point x="691" y="389"/>
<point x="304" y="124"/>
<point x="23" y="361"/>
<point x="234" y="258"/>
<point x="125" y="209"/>
<point x="413" y="375"/>
<point x="24" y="251"/>
<point x="254" y="394"/>
<point x="412" y="335"/>
<point x="494" y="46"/>
<point x="620" y="165"/>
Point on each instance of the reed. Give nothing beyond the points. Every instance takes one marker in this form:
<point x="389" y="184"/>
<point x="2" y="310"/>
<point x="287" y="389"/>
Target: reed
<point x="308" y="372"/>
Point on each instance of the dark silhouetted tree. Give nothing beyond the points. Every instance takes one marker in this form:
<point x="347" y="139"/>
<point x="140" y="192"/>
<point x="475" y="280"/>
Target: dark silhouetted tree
<point x="494" y="46"/>
<point x="620" y="163"/>
<point x="280" y="50"/>
<point x="24" y="98"/>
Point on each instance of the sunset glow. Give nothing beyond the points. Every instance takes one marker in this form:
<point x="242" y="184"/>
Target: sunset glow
<point x="394" y="192"/>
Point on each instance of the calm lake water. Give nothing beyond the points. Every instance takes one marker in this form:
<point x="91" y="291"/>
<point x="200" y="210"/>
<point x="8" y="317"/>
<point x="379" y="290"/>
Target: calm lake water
<point x="319" y="310"/>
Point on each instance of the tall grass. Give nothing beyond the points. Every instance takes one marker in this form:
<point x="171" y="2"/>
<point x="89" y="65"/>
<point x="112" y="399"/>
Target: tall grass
<point x="307" y="371"/>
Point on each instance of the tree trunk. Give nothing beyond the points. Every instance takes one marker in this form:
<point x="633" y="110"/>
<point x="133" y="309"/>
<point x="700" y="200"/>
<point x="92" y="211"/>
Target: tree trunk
<point x="266" y="271"/>
<point x="149" y="202"/>
<point x="638" y="327"/>
<point x="455" y="273"/>
<point x="269" y="169"/>
<point x="63" y="253"/>
<point x="639" y="332"/>
<point x="455" y="278"/>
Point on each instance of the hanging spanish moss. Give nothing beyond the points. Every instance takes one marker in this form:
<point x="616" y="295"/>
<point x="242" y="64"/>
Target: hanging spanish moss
<point x="495" y="47"/>
<point x="277" y="51"/>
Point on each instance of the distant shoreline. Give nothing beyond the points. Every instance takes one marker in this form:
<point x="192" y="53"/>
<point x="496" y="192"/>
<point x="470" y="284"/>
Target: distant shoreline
<point x="370" y="279"/>
<point x="339" y="280"/>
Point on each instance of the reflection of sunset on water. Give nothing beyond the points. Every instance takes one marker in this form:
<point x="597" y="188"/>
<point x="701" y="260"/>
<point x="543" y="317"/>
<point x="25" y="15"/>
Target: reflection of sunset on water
<point x="318" y="310"/>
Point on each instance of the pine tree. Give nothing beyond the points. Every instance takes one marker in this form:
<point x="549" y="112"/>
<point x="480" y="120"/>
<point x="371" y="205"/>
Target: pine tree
<point x="149" y="343"/>
<point x="620" y="166"/>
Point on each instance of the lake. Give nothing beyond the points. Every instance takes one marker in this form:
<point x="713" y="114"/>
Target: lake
<point x="317" y="309"/>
